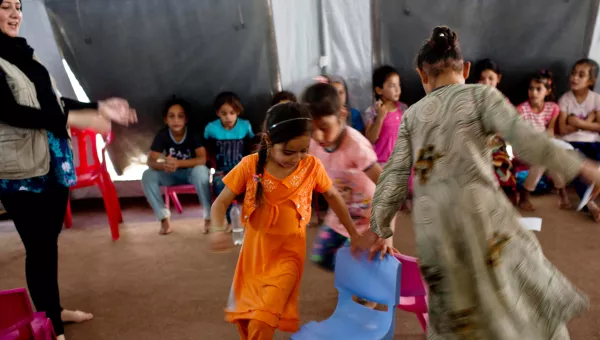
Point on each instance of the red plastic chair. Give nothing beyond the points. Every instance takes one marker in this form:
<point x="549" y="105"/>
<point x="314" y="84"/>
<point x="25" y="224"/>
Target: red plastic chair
<point x="91" y="170"/>
<point x="18" y="321"/>
<point x="413" y="291"/>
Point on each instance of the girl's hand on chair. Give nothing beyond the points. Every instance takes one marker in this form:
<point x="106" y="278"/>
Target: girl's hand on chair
<point x="383" y="249"/>
<point x="220" y="241"/>
<point x="363" y="242"/>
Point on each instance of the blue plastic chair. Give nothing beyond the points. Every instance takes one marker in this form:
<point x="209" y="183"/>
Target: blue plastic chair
<point x="377" y="281"/>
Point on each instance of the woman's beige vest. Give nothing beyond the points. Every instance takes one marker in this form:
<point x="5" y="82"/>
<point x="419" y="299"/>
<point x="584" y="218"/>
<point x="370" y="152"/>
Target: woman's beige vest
<point x="24" y="153"/>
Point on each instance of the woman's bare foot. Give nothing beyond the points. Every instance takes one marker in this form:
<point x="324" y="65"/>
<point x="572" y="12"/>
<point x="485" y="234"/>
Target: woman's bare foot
<point x="565" y="202"/>
<point x="165" y="227"/>
<point x="75" y="316"/>
<point x="594" y="210"/>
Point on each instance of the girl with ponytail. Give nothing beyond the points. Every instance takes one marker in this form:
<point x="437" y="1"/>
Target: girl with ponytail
<point x="278" y="182"/>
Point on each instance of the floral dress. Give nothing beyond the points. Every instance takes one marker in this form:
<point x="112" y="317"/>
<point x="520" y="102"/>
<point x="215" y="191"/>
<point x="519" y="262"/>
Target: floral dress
<point x="62" y="171"/>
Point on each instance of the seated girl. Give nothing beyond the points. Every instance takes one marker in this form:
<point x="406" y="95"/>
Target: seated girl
<point x="177" y="156"/>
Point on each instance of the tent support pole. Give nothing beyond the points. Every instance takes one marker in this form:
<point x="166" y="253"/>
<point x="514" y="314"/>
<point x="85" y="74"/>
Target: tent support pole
<point x="274" y="69"/>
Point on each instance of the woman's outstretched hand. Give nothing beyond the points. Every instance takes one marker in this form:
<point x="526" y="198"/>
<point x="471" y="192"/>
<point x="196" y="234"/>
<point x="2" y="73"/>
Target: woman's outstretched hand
<point x="118" y="111"/>
<point x="382" y="248"/>
<point x="363" y="242"/>
<point x="371" y="243"/>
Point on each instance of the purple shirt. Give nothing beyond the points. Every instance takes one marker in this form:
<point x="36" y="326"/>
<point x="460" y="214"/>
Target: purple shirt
<point x="384" y="146"/>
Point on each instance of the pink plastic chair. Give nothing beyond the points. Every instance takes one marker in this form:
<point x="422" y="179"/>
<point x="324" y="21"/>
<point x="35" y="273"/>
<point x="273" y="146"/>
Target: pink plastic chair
<point x="18" y="321"/>
<point x="91" y="170"/>
<point x="171" y="194"/>
<point x="172" y="191"/>
<point x="413" y="294"/>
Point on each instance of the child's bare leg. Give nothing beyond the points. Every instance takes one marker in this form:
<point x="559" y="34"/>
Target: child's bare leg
<point x="76" y="316"/>
<point x="594" y="210"/>
<point x="559" y="184"/>
<point x="531" y="182"/>
<point x="565" y="202"/>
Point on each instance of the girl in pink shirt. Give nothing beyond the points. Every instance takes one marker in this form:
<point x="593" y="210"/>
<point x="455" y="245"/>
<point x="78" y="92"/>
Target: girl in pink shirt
<point x="382" y="120"/>
<point x="541" y="111"/>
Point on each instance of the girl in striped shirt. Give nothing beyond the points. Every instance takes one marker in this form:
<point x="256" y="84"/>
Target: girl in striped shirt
<point x="542" y="112"/>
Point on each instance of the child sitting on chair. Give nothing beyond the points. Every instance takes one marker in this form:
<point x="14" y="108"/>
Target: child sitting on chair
<point x="229" y="138"/>
<point x="176" y="157"/>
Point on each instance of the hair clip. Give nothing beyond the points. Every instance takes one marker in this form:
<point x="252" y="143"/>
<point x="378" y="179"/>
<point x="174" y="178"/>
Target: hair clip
<point x="258" y="178"/>
<point x="442" y="34"/>
<point x="321" y="79"/>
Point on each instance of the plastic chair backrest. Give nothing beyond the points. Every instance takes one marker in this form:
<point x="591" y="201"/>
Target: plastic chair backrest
<point x="412" y="282"/>
<point x="15" y="309"/>
<point x="377" y="280"/>
<point x="85" y="155"/>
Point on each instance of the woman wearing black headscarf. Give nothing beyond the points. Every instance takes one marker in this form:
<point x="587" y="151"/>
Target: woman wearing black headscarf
<point x="36" y="160"/>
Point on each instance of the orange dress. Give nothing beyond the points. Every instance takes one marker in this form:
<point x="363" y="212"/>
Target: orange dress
<point x="267" y="277"/>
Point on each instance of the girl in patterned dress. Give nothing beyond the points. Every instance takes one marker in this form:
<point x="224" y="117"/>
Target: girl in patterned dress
<point x="487" y="275"/>
<point x="278" y="182"/>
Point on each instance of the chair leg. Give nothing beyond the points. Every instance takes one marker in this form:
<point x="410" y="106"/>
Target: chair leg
<point x="68" y="215"/>
<point x="167" y="198"/>
<point x="176" y="202"/>
<point x="111" y="212"/>
<point x="422" y="320"/>
<point x="113" y="194"/>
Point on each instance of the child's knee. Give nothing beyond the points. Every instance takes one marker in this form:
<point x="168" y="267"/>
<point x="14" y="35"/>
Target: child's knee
<point x="200" y="174"/>
<point x="150" y="176"/>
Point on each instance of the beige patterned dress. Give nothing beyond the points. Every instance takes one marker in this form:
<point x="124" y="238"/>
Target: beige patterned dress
<point x="488" y="277"/>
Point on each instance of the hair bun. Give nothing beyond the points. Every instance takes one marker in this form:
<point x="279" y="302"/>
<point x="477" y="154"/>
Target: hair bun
<point x="442" y="39"/>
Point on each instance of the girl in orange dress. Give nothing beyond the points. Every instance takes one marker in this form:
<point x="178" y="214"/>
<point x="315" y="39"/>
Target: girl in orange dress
<point x="278" y="182"/>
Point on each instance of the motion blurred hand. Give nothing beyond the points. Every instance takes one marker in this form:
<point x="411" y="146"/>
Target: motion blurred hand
<point x="100" y="124"/>
<point x="382" y="248"/>
<point x="371" y="243"/>
<point x="220" y="241"/>
<point x="118" y="111"/>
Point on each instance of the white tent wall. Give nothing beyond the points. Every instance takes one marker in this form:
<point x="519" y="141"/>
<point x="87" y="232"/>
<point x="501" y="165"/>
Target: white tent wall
<point x="297" y="36"/>
<point x="330" y="37"/>
<point x="595" y="45"/>
<point x="38" y="32"/>
<point x="347" y="27"/>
